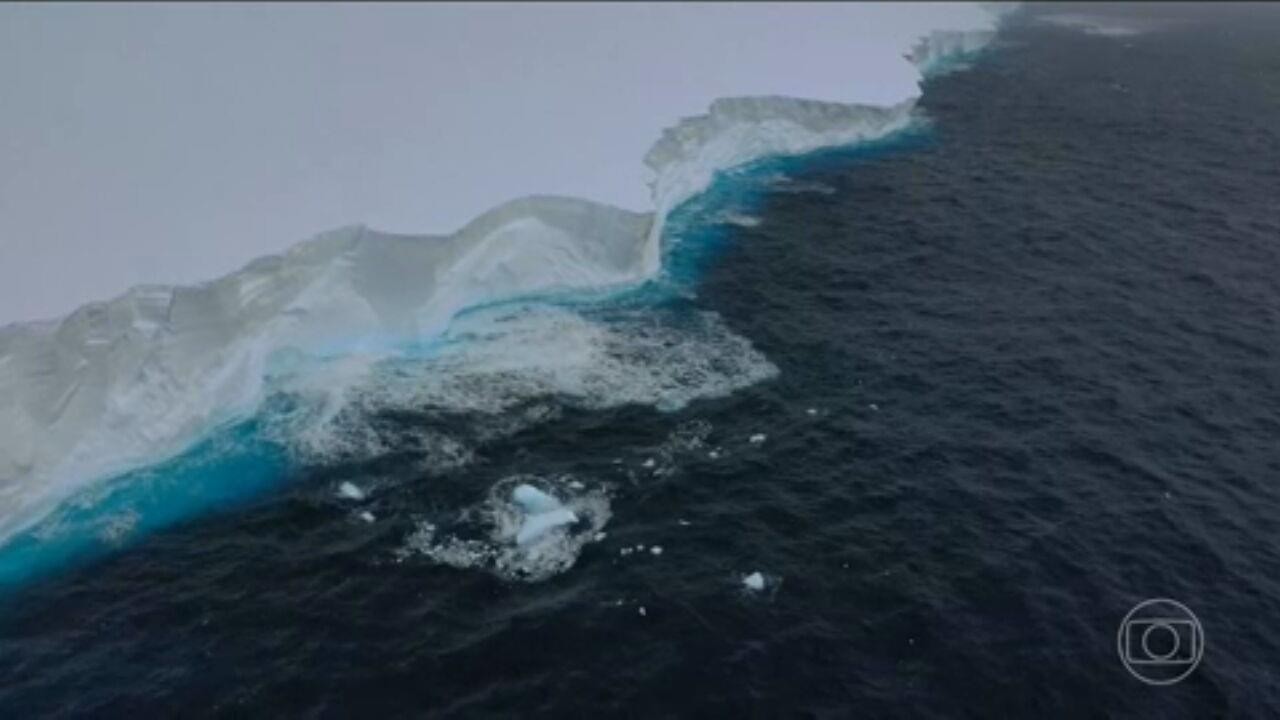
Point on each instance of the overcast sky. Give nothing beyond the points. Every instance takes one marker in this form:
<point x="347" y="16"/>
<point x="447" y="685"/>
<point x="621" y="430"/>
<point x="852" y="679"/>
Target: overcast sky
<point x="174" y="143"/>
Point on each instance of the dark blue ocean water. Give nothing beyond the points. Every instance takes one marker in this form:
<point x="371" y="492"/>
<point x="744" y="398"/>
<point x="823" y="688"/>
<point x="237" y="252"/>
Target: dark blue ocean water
<point x="1040" y="340"/>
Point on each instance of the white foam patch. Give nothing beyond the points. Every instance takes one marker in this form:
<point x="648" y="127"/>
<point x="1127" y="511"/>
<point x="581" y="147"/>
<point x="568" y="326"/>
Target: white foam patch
<point x="488" y="536"/>
<point x="782" y="183"/>
<point x="1100" y="25"/>
<point x="740" y="219"/>
<point x="510" y="368"/>
<point x="632" y="357"/>
<point x="687" y="439"/>
<point x="504" y="369"/>
<point x="116" y="528"/>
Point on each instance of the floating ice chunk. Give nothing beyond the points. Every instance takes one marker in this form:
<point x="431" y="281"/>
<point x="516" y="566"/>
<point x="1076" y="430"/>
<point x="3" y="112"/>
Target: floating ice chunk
<point x="874" y="406"/>
<point x="533" y="501"/>
<point x="757" y="438"/>
<point x="535" y="526"/>
<point x="600" y="536"/>
<point x="684" y="523"/>
<point x="542" y="513"/>
<point x="714" y="455"/>
<point x="647" y="463"/>
<point x="656" y="549"/>
<point x="367" y="516"/>
<point x="812" y="411"/>
<point x="350" y="491"/>
<point x="642" y="611"/>
<point x="754" y="581"/>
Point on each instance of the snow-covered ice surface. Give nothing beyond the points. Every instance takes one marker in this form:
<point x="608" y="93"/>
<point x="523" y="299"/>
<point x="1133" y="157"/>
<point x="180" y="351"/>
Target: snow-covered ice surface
<point x="341" y="320"/>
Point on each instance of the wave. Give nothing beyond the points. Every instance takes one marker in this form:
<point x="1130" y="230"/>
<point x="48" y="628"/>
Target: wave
<point x="121" y="385"/>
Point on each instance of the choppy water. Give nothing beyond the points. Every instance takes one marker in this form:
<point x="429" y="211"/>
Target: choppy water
<point x="1019" y="372"/>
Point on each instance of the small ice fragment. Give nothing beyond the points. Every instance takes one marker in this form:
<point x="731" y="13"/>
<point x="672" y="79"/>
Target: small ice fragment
<point x="757" y="438"/>
<point x="812" y="411"/>
<point x="713" y="454"/>
<point x="684" y="523"/>
<point x="542" y="513"/>
<point x="639" y="548"/>
<point x="532" y="500"/>
<point x="624" y="552"/>
<point x="656" y="549"/>
<point x="600" y="536"/>
<point x="350" y="492"/>
<point x="367" y="516"/>
<point x="874" y="406"/>
<point x="576" y="485"/>
<point x="642" y="612"/>
<point x="754" y="581"/>
<point x="535" y="526"/>
<point x="647" y="463"/>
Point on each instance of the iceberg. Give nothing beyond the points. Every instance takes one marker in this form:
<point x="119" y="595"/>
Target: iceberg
<point x="123" y="384"/>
